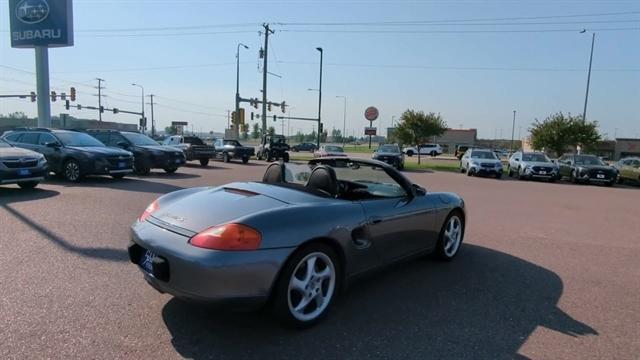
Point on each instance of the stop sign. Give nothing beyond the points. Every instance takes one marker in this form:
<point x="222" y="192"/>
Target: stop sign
<point x="371" y="113"/>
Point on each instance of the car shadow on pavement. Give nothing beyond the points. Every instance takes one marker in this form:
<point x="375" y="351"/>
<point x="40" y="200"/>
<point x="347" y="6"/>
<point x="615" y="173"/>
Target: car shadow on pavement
<point x="100" y="253"/>
<point x="483" y="305"/>
<point x="163" y="175"/>
<point x="135" y="184"/>
<point x="13" y="195"/>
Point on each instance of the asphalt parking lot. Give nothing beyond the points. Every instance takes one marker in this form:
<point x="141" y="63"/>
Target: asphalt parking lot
<point x="548" y="271"/>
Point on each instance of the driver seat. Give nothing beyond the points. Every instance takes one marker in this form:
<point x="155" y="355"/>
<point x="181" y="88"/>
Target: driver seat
<point x="274" y="174"/>
<point x="323" y="179"/>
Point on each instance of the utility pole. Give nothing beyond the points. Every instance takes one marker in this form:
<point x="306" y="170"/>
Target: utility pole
<point x="320" y="97"/>
<point x="586" y="96"/>
<point x="236" y="120"/>
<point x="100" y="98"/>
<point x="153" y="122"/>
<point x="513" y="129"/>
<point x="267" y="31"/>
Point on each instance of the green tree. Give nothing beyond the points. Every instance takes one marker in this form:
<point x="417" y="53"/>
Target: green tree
<point x="271" y="130"/>
<point x="558" y="132"/>
<point x="416" y="127"/>
<point x="255" y="132"/>
<point x="171" y="130"/>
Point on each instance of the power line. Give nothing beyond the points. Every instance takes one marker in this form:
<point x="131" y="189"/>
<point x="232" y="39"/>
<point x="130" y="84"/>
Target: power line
<point x="149" y="68"/>
<point x="166" y="34"/>
<point x="165" y="28"/>
<point x="456" y="31"/>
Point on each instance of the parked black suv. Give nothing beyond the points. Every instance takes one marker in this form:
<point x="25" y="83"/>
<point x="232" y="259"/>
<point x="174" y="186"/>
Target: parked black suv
<point x="390" y="154"/>
<point x="73" y="154"/>
<point x="305" y="146"/>
<point x="147" y="152"/>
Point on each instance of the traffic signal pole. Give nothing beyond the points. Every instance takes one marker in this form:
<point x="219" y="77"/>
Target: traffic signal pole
<point x="42" y="86"/>
<point x="100" y="98"/>
<point x="153" y="122"/>
<point x="267" y="31"/>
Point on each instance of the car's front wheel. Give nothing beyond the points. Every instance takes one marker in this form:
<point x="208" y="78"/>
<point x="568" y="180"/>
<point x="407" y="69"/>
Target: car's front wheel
<point x="245" y="159"/>
<point x="451" y="236"/>
<point x="225" y="157"/>
<point x="28" y="184"/>
<point x="285" y="157"/>
<point x="170" y="170"/>
<point x="204" y="162"/>
<point x="117" y="176"/>
<point x="410" y="153"/>
<point x="307" y="286"/>
<point x="71" y="171"/>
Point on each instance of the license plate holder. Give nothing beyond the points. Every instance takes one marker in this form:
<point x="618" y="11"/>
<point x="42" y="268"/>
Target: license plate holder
<point x="122" y="164"/>
<point x="146" y="261"/>
<point x="600" y="176"/>
<point x="543" y="172"/>
<point x="24" y="172"/>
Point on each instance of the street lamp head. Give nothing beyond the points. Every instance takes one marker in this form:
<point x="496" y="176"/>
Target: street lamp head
<point x="319" y="49"/>
<point x="583" y="31"/>
<point x="312" y="89"/>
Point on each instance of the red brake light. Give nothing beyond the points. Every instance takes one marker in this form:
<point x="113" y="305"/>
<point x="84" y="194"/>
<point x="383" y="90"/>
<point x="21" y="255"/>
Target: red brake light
<point x="153" y="207"/>
<point x="228" y="237"/>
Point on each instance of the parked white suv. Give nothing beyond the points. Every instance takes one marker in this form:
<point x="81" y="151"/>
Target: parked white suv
<point x="425" y="149"/>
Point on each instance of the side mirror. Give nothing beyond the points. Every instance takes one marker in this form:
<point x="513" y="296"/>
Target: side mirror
<point x="123" y="144"/>
<point x="516" y="159"/>
<point x="52" y="144"/>
<point x="418" y="190"/>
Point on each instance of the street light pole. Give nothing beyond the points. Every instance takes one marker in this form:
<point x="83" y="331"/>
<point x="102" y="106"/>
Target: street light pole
<point x="586" y="96"/>
<point x="513" y="129"/>
<point x="236" y="120"/>
<point x="344" y="118"/>
<point x="144" y="120"/>
<point x="320" y="96"/>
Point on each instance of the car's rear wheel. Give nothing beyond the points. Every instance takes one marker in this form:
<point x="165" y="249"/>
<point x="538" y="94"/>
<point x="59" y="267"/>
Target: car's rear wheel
<point x="498" y="175"/>
<point x="204" y="162"/>
<point x="71" y="171"/>
<point x="28" y="184"/>
<point x="170" y="170"/>
<point x="225" y="157"/>
<point x="245" y="159"/>
<point x="610" y="183"/>
<point x="141" y="167"/>
<point x="468" y="171"/>
<point x="285" y="157"/>
<point x="509" y="172"/>
<point x="307" y="286"/>
<point x="410" y="153"/>
<point x="433" y="154"/>
<point x="451" y="236"/>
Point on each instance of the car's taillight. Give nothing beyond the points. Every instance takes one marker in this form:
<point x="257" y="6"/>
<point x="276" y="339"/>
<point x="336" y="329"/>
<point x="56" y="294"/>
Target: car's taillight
<point x="228" y="237"/>
<point x="153" y="207"/>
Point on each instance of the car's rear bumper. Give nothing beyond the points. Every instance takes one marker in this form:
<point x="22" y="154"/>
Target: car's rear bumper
<point x="198" y="274"/>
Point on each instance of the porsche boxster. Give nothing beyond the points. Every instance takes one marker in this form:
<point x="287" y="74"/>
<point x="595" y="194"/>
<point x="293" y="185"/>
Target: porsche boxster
<point x="296" y="238"/>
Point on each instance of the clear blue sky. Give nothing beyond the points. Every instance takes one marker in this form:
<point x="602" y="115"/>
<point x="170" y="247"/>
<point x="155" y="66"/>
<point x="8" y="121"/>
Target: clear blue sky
<point x="474" y="78"/>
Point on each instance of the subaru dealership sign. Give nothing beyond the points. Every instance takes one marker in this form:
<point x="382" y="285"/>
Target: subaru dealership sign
<point x="41" y="23"/>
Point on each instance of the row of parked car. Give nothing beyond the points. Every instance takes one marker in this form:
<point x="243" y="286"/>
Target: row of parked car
<point x="577" y="168"/>
<point x="27" y="155"/>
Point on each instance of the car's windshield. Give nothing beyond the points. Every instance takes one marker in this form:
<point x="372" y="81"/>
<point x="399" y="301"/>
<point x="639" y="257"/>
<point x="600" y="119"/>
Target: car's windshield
<point x="78" y="139"/>
<point x="535" y="157"/>
<point x="231" y="142"/>
<point x="483" y="155"/>
<point x="330" y="148"/>
<point x="588" y="160"/>
<point x="139" y="139"/>
<point x="389" y="148"/>
<point x="4" y="143"/>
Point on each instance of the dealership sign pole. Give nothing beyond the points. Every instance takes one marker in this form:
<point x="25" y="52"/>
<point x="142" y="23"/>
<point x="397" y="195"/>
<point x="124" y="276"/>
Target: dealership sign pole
<point x="41" y="24"/>
<point x="371" y="114"/>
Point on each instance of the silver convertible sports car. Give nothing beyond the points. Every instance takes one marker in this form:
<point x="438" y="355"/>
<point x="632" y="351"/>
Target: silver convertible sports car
<point x="294" y="239"/>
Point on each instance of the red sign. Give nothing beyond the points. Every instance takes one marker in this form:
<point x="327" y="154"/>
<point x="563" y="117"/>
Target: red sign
<point x="371" y="113"/>
<point x="370" y="131"/>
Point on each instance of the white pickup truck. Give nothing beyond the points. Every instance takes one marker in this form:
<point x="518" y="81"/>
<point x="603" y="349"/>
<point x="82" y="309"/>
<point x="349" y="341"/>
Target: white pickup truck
<point x="193" y="147"/>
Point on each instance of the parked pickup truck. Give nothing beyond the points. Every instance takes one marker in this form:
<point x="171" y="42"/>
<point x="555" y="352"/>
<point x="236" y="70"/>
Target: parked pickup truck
<point x="193" y="147"/>
<point x="227" y="149"/>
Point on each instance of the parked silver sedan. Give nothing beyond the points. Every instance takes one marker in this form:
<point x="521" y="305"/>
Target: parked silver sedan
<point x="532" y="165"/>
<point x="296" y="237"/>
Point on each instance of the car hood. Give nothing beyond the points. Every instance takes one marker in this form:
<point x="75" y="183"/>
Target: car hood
<point x="101" y="150"/>
<point x="13" y="152"/>
<point x="539" y="163"/>
<point x="161" y="148"/>
<point x="596" y="167"/>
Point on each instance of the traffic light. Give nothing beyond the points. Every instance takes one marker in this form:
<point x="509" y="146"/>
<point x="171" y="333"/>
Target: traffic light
<point x="79" y="107"/>
<point x="283" y="107"/>
<point x="73" y="94"/>
<point x="115" y="110"/>
<point x="63" y="96"/>
<point x="241" y="120"/>
<point x="255" y="103"/>
<point x="101" y="109"/>
<point x="252" y="116"/>
<point x="274" y="118"/>
<point x="53" y="96"/>
<point x="143" y="122"/>
<point x="33" y="97"/>
<point x="66" y="104"/>
<point x="269" y="107"/>
<point x="320" y="127"/>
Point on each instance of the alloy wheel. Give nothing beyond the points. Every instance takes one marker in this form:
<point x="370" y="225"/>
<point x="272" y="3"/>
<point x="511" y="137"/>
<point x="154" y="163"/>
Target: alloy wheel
<point x="311" y="286"/>
<point x="452" y="236"/>
<point x="72" y="171"/>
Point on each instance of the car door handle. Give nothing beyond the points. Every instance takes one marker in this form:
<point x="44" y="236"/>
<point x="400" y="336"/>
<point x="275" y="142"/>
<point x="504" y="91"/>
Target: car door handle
<point x="375" y="220"/>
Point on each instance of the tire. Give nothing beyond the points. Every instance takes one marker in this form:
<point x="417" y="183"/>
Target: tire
<point x="225" y="158"/>
<point x="204" y="162"/>
<point x="268" y="157"/>
<point x="117" y="176"/>
<point x="285" y="157"/>
<point x="509" y="172"/>
<point x="71" y="171"/>
<point x="573" y="178"/>
<point x="610" y="183"/>
<point x="461" y="170"/>
<point x="469" y="173"/>
<point x="141" y="167"/>
<point x="433" y="154"/>
<point x="410" y="153"/>
<point x="245" y="159"/>
<point x="28" y="184"/>
<point x="451" y="236"/>
<point x="498" y="175"/>
<point x="295" y="286"/>
<point x="169" y="170"/>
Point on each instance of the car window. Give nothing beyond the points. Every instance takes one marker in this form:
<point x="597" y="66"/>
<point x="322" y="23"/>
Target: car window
<point x="389" y="148"/>
<point x="374" y="180"/>
<point x="103" y="137"/>
<point x="193" y="140"/>
<point x="14" y="137"/>
<point x="45" y="138"/>
<point x="588" y="160"/>
<point x="333" y="148"/>
<point x="4" y="143"/>
<point x="489" y="155"/>
<point x="73" y="138"/>
<point x="115" y="138"/>
<point x="139" y="139"/>
<point x="30" y="138"/>
<point x="636" y="163"/>
<point x="535" y="157"/>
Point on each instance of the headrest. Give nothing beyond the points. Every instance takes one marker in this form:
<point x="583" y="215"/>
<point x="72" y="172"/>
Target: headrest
<point x="323" y="179"/>
<point x="274" y="174"/>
